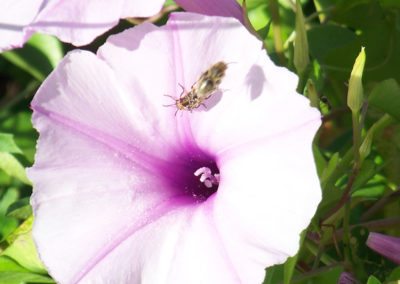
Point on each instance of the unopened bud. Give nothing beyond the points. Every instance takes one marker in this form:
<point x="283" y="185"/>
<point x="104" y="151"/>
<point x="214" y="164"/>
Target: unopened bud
<point x="355" y="94"/>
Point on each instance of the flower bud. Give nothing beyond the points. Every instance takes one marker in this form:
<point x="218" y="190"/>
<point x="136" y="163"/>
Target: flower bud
<point x="387" y="246"/>
<point x="355" y="92"/>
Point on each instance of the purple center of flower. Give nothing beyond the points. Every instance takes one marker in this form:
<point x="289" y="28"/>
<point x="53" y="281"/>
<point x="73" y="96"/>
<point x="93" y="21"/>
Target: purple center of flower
<point x="195" y="176"/>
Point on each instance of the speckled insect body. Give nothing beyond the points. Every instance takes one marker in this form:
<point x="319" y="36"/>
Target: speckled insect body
<point x="202" y="89"/>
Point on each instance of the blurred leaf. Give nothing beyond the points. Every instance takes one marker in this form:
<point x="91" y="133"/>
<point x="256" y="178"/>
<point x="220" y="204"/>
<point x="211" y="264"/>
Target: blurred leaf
<point x="258" y="17"/>
<point x="288" y="269"/>
<point x="23" y="250"/>
<point x="373" y="280"/>
<point x="8" y="197"/>
<point x="23" y="277"/>
<point x="391" y="3"/>
<point x="251" y="4"/>
<point x="372" y="191"/>
<point x="325" y="276"/>
<point x="38" y="57"/>
<point x="377" y="30"/>
<point x="386" y="97"/>
<point x="50" y="46"/>
<point x="274" y="274"/>
<point x="340" y="169"/>
<point x="388" y="146"/>
<point x="169" y="3"/>
<point x="8" y="264"/>
<point x="395" y="275"/>
<point x="20" y="125"/>
<point x="329" y="169"/>
<point x="7" y="226"/>
<point x="326" y="39"/>
<point x="10" y="165"/>
<point x="20" y="209"/>
<point x="366" y="173"/>
<point x="320" y="161"/>
<point x="7" y="144"/>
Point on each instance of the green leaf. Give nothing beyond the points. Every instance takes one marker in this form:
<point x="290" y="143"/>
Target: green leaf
<point x="394" y="275"/>
<point x="8" y="264"/>
<point x="49" y="46"/>
<point x="38" y="57"/>
<point x="366" y="173"/>
<point x="20" y="125"/>
<point x="326" y="39"/>
<point x="329" y="169"/>
<point x="23" y="250"/>
<point x="288" y="269"/>
<point x="373" y="280"/>
<point x="259" y="16"/>
<point x="329" y="276"/>
<point x="7" y="226"/>
<point x="23" y="277"/>
<point x="274" y="274"/>
<point x="10" y="165"/>
<point x="388" y="146"/>
<point x="20" y="209"/>
<point x="320" y="161"/>
<point x="7" y="144"/>
<point x="386" y="97"/>
<point x="7" y="198"/>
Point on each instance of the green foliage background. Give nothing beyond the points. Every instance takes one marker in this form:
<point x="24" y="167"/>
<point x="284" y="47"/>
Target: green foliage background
<point x="360" y="192"/>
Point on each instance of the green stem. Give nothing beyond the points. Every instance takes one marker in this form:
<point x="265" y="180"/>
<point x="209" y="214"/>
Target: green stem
<point x="276" y="27"/>
<point x="356" y="137"/>
<point x="346" y="232"/>
<point x="387" y="198"/>
<point x="376" y="225"/>
<point x="315" y="250"/>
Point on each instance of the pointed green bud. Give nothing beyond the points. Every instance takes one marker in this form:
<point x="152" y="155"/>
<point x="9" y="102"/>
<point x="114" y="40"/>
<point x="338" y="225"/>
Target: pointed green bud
<point x="301" y="58"/>
<point x="355" y="94"/>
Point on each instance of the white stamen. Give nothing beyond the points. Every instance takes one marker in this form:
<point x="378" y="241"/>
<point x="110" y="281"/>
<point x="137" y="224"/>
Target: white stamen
<point x="208" y="183"/>
<point x="199" y="172"/>
<point x="207" y="177"/>
<point x="203" y="177"/>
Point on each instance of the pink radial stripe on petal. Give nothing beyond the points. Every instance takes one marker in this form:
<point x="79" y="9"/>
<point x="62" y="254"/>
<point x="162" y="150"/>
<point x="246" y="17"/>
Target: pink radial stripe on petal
<point x="14" y="17"/>
<point x="72" y="21"/>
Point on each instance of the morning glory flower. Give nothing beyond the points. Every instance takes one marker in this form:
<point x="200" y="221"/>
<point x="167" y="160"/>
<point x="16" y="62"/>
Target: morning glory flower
<point x="74" y="21"/>
<point x="127" y="191"/>
<point x="387" y="246"/>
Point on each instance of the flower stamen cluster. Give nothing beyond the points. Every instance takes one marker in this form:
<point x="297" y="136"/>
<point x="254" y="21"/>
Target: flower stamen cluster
<point x="207" y="177"/>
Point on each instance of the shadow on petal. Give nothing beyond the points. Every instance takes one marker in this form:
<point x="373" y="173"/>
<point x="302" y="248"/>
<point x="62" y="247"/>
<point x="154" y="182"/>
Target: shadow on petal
<point x="255" y="79"/>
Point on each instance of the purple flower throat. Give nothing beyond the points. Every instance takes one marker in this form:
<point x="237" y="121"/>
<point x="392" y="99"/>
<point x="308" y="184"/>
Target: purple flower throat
<point x="194" y="175"/>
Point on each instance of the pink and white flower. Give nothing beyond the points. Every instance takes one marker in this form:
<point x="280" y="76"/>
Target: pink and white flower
<point x="116" y="198"/>
<point x="74" y="21"/>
